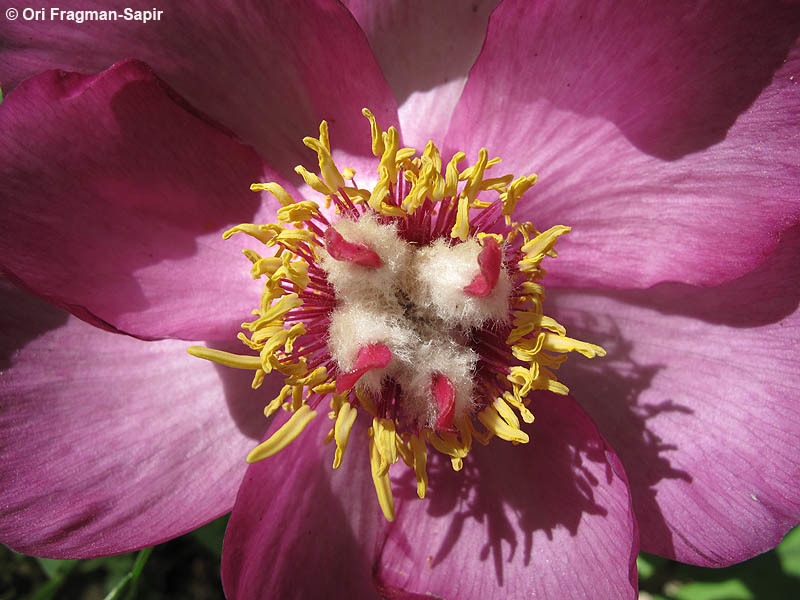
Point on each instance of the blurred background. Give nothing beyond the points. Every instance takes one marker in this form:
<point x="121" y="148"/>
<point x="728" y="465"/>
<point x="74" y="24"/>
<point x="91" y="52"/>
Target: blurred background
<point x="188" y="567"/>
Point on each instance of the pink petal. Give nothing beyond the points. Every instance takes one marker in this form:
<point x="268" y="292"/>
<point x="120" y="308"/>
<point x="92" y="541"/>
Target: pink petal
<point x="699" y="396"/>
<point x="269" y="72"/>
<point x="668" y="163"/>
<point x="553" y="516"/>
<point x="300" y="529"/>
<point x="109" y="443"/>
<point x="425" y="49"/>
<point x="116" y="194"/>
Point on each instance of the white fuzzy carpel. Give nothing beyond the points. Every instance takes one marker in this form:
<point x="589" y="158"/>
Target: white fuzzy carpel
<point x="414" y="304"/>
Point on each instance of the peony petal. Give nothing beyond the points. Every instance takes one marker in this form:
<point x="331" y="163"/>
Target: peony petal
<point x="515" y="520"/>
<point x="668" y="163"/>
<point x="109" y="443"/>
<point x="699" y="396"/>
<point x="425" y="49"/>
<point x="551" y="518"/>
<point x="301" y="530"/>
<point x="116" y="195"/>
<point x="268" y="71"/>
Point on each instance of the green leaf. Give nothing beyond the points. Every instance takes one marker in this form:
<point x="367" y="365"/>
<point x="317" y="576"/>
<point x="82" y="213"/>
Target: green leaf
<point x="732" y="589"/>
<point x="60" y="569"/>
<point x="52" y="567"/>
<point x="131" y="579"/>
<point x="210" y="535"/>
<point x="789" y="553"/>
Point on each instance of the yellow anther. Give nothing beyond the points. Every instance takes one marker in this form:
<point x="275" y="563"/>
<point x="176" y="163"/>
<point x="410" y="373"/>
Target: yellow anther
<point x="278" y="401"/>
<point x="237" y="361"/>
<point x="316" y="377"/>
<point x="526" y="414"/>
<point x="379" y="192"/>
<point x="263" y="266"/>
<point x="276" y="190"/>
<point x="260" y="232"/>
<point x="386" y="441"/>
<point x="470" y="172"/>
<point x="341" y="431"/>
<point x="313" y="181"/>
<point x="275" y="341"/>
<point x="277" y="310"/>
<point x="293" y="237"/>
<point x="561" y="343"/>
<point x="527" y="347"/>
<point x="258" y="379"/>
<point x="403" y="451"/>
<point x="515" y="191"/>
<point x="324" y="388"/>
<point x="521" y="377"/>
<point x="543" y="243"/>
<point x="461" y="228"/>
<point x="420" y="451"/>
<point x="451" y="175"/>
<point x="300" y="211"/>
<point x="284" y="436"/>
<point x="375" y="131"/>
<point x="497" y="425"/>
<point x="504" y="410"/>
<point x="496" y="184"/>
<point x="327" y="168"/>
<point x="475" y="176"/>
<point x="447" y="444"/>
<point x="403" y="154"/>
<point x="481" y="237"/>
<point x="357" y="195"/>
<point x="388" y="165"/>
<point x="380" y="478"/>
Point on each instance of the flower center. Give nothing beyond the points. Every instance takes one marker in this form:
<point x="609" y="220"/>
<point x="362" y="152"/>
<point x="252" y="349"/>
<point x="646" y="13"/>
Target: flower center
<point x="416" y="302"/>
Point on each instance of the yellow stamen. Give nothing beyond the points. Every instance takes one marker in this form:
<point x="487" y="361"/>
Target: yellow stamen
<point x="330" y="174"/>
<point x="377" y="135"/>
<point x="562" y="343"/>
<point x="420" y="460"/>
<point x="341" y="431"/>
<point x="237" y="361"/>
<point x="380" y="478"/>
<point x="276" y="190"/>
<point x="297" y="303"/>
<point x="492" y="420"/>
<point x="284" y="436"/>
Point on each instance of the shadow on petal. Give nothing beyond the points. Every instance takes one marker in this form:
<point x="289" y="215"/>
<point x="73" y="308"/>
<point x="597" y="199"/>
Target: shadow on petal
<point x="36" y="319"/>
<point x="768" y="294"/>
<point x="516" y="504"/>
<point x="609" y="390"/>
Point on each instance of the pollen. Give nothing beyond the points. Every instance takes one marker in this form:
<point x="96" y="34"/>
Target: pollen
<point x="415" y="305"/>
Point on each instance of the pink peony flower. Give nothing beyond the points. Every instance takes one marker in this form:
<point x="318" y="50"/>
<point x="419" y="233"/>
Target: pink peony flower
<point x="668" y="138"/>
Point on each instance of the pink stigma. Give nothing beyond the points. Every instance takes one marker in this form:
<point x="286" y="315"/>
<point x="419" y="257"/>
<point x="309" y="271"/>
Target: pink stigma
<point x="373" y="356"/>
<point x="445" y="395"/>
<point x="340" y="249"/>
<point x="489" y="261"/>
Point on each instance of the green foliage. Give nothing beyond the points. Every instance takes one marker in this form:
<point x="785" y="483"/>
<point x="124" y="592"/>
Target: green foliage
<point x="774" y="575"/>
<point x="189" y="568"/>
